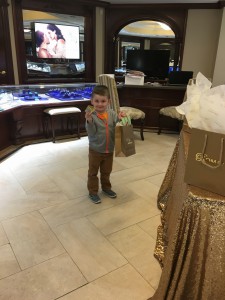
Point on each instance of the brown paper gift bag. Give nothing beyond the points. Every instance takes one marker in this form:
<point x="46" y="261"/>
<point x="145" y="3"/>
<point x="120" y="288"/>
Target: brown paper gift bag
<point x="205" y="163"/>
<point x="124" y="141"/>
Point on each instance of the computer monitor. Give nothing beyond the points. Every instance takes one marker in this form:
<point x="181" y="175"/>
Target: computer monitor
<point x="180" y="77"/>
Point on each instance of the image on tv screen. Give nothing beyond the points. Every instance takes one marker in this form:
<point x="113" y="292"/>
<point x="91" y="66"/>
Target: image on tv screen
<point x="56" y="41"/>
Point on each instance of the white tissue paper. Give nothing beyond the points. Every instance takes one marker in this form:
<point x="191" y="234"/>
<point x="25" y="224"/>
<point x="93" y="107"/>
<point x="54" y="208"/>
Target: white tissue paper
<point x="212" y="110"/>
<point x="205" y="106"/>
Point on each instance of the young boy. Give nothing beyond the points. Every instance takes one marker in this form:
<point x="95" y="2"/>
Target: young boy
<point x="100" y="126"/>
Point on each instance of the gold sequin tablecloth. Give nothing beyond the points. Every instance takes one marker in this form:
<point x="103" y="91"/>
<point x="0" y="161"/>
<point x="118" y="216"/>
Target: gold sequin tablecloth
<point x="191" y="238"/>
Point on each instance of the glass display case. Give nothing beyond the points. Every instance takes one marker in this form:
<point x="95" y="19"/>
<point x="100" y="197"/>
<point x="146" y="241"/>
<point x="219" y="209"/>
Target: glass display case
<point x="71" y="69"/>
<point x="38" y="67"/>
<point x="22" y="109"/>
<point x="17" y="95"/>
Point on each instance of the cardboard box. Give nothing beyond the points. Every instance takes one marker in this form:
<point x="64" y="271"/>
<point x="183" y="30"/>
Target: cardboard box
<point x="134" y="80"/>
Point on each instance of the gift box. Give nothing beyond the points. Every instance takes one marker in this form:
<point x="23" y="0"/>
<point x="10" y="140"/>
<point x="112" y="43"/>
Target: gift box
<point x="134" y="80"/>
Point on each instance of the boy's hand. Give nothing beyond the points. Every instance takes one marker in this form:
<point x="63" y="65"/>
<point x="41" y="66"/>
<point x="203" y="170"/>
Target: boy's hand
<point x="124" y="118"/>
<point x="122" y="114"/>
<point x="88" y="111"/>
<point x="88" y="116"/>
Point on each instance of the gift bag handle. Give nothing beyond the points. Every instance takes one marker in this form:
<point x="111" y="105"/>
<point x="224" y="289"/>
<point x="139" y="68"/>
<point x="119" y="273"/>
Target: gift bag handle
<point x="220" y="156"/>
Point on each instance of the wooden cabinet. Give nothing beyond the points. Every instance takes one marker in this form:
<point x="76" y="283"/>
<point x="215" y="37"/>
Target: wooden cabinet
<point x="23" y="124"/>
<point x="151" y="99"/>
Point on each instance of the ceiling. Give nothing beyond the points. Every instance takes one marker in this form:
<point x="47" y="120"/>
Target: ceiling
<point x="159" y="1"/>
<point x="142" y="28"/>
<point x="147" y="28"/>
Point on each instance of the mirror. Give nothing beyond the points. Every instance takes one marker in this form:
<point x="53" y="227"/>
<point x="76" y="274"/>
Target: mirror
<point x="54" y="45"/>
<point x="144" y="35"/>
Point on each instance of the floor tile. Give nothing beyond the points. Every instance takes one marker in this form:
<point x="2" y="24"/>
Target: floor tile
<point x="31" y="239"/>
<point x="51" y="233"/>
<point x="25" y="227"/>
<point x="3" y="237"/>
<point x="145" y="189"/>
<point x="137" y="247"/>
<point x="47" y="281"/>
<point x="66" y="212"/>
<point x="13" y="205"/>
<point x="134" y="174"/>
<point x="12" y="188"/>
<point x="69" y="183"/>
<point x="151" y="225"/>
<point x="124" y="215"/>
<point x="8" y="262"/>
<point x="33" y="180"/>
<point x="123" y="284"/>
<point x="90" y="250"/>
<point x="156" y="179"/>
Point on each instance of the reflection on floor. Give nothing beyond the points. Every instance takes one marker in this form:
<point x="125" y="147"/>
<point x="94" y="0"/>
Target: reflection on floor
<point x="56" y="244"/>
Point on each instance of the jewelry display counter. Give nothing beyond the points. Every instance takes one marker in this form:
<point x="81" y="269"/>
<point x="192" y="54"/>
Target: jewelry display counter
<point x="190" y="244"/>
<point x="22" y="106"/>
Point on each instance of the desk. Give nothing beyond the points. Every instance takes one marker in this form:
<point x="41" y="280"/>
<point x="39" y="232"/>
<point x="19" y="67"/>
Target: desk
<point x="191" y="238"/>
<point x="151" y="99"/>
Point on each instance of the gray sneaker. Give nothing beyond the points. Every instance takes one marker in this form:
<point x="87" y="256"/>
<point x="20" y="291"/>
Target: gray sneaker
<point x="95" y="198"/>
<point x="110" y="193"/>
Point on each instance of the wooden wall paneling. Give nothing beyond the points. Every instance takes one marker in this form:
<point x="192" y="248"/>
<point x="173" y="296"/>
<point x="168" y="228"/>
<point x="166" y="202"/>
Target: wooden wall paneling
<point x="151" y="100"/>
<point x="19" y="40"/>
<point x="6" y="66"/>
<point x="174" y="15"/>
<point x="5" y="136"/>
<point x="120" y="15"/>
<point x="80" y="8"/>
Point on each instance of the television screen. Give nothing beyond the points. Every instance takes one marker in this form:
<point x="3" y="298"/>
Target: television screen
<point x="56" y="41"/>
<point x="154" y="63"/>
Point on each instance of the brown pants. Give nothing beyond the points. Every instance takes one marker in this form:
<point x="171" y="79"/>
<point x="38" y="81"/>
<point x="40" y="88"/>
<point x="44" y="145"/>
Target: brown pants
<point x="104" y="162"/>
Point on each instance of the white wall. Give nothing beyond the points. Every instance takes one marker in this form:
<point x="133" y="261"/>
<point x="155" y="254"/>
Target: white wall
<point x="219" y="71"/>
<point x="201" y="41"/>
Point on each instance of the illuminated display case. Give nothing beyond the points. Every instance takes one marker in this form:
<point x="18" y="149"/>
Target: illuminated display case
<point x="22" y="109"/>
<point x="17" y="95"/>
<point x="53" y="69"/>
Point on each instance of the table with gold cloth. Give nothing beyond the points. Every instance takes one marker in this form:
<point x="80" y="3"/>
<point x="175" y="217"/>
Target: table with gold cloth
<point x="190" y="244"/>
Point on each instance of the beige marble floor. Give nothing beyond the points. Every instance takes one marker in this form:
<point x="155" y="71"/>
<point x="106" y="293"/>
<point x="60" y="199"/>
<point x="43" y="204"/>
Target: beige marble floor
<point x="56" y="244"/>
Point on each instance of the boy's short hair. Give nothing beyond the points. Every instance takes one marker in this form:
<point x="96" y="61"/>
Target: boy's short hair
<point x="100" y="90"/>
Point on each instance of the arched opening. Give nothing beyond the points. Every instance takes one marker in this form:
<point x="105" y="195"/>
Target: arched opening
<point x="145" y="35"/>
<point x="117" y="18"/>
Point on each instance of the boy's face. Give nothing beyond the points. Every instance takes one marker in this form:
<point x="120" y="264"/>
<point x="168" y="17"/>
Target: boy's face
<point x="100" y="103"/>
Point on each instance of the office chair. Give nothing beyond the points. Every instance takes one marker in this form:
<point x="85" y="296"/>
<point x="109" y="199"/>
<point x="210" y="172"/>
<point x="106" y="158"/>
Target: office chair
<point x="133" y="113"/>
<point x="171" y="112"/>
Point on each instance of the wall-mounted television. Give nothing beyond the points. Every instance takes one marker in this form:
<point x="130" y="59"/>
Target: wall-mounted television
<point x="54" y="41"/>
<point x="153" y="63"/>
